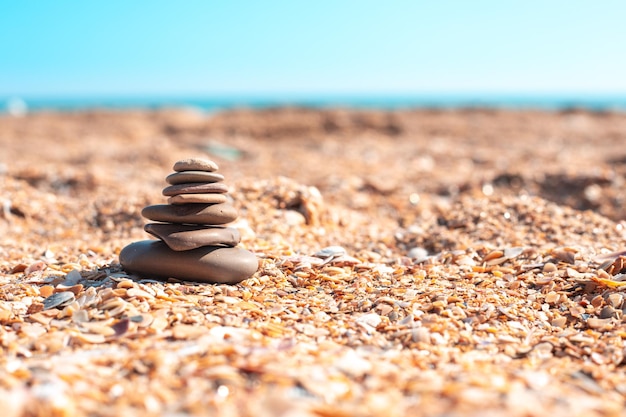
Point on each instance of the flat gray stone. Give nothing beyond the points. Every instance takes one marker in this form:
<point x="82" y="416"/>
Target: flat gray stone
<point x="193" y="177"/>
<point x="197" y="198"/>
<point x="210" y="214"/>
<point x="154" y="259"/>
<point x="196" y="188"/>
<point x="195" y="164"/>
<point x="181" y="237"/>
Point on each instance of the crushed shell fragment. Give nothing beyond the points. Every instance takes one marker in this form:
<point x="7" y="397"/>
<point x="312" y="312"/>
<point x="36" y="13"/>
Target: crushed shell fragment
<point x="58" y="299"/>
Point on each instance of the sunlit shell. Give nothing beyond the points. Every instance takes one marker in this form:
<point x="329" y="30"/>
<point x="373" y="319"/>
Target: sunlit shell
<point x="58" y="299"/>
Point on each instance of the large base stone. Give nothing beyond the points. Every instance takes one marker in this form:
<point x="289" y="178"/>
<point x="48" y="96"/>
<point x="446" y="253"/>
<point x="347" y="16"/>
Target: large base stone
<point x="210" y="264"/>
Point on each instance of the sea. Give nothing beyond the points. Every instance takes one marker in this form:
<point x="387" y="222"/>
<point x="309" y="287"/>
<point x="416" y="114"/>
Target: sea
<point x="17" y="105"/>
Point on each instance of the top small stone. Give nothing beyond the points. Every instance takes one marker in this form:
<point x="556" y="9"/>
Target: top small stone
<point x="195" y="164"/>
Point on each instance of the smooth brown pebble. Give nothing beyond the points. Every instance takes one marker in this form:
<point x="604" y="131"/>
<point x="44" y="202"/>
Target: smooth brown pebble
<point x="549" y="267"/>
<point x="191" y="213"/>
<point x="195" y="188"/>
<point x="193" y="177"/>
<point x="152" y="258"/>
<point x="195" y="164"/>
<point x="183" y="237"/>
<point x="197" y="198"/>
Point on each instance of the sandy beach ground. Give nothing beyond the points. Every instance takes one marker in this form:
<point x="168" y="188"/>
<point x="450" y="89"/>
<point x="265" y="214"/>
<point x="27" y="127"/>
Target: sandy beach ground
<point x="482" y="275"/>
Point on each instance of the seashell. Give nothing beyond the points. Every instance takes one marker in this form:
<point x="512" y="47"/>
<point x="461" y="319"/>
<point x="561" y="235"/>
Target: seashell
<point x="88" y="338"/>
<point x="227" y="299"/>
<point x="599" y="324"/>
<point x="125" y="283"/>
<point x="528" y="267"/>
<point x="34" y="267"/>
<point x="58" y="299"/>
<point x="465" y="260"/>
<point x="496" y="261"/>
<point x="80" y="316"/>
<point x="544" y="280"/>
<point x="543" y="350"/>
<point x="234" y="334"/>
<point x="407" y="320"/>
<point x="369" y="321"/>
<point x="32" y="330"/>
<point x="330" y="252"/>
<point x="72" y="278"/>
<point x="138" y="293"/>
<point x="572" y="273"/>
<point x="353" y="364"/>
<point x="421" y="335"/>
<point x="76" y="289"/>
<point x="513" y="252"/>
<point x="345" y="260"/>
<point x="615" y="300"/>
<point x="142" y="320"/>
<point x="565" y="255"/>
<point x="615" y="267"/>
<point x="493" y="255"/>
<point x="88" y="298"/>
<point x="418" y="254"/>
<point x="18" y="268"/>
<point x="610" y="256"/>
<point x="46" y="290"/>
<point x="302" y="259"/>
<point x="121" y="327"/>
<point x="159" y="323"/>
<point x="607" y="312"/>
<point x="552" y="297"/>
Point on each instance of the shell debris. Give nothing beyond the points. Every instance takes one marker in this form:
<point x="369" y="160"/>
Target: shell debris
<point x="414" y="271"/>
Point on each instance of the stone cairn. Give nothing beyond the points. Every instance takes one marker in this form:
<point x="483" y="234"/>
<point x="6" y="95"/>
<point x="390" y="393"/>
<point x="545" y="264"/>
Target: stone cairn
<point x="194" y="244"/>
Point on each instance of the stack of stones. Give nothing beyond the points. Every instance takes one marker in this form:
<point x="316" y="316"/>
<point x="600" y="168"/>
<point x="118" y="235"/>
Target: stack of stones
<point x="194" y="244"/>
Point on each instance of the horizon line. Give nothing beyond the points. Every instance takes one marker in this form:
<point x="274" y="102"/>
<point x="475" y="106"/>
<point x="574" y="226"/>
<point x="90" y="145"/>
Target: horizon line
<point x="314" y="94"/>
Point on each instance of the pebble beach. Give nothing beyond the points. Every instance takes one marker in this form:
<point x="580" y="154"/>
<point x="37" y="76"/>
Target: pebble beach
<point x="467" y="262"/>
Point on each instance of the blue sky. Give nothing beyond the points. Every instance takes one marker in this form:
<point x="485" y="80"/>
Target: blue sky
<point x="65" y="48"/>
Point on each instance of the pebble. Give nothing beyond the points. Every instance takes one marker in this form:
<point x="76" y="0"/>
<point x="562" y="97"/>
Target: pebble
<point x="183" y="237"/>
<point x="192" y="244"/>
<point x="195" y="164"/>
<point x="197" y="198"/>
<point x="549" y="267"/>
<point x="195" y="188"/>
<point x="193" y="177"/>
<point x="191" y="213"/>
<point x="206" y="264"/>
